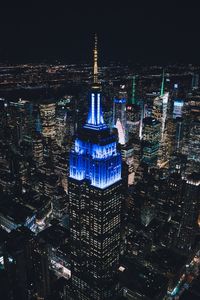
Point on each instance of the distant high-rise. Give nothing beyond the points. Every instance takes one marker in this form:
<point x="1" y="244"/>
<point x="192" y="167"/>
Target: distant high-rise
<point x="195" y="81"/>
<point x="177" y="108"/>
<point x="159" y="112"/>
<point x="151" y="140"/>
<point x="133" y="111"/>
<point x="47" y="113"/>
<point x="94" y="205"/>
<point x="37" y="144"/>
<point x="160" y="105"/>
<point x="119" y="117"/>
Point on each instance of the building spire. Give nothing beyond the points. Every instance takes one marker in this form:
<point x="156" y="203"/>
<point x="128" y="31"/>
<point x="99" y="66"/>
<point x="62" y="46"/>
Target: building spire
<point x="162" y="89"/>
<point x="133" y="98"/>
<point x="95" y="67"/>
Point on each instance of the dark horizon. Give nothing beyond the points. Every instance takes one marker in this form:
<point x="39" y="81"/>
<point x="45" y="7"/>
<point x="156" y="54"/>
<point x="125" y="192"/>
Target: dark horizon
<point x="139" y="32"/>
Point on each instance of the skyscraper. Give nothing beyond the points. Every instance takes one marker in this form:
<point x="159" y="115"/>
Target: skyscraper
<point x="160" y="105"/>
<point x="133" y="113"/>
<point x="37" y="144"/>
<point x="94" y="205"/>
<point x="160" y="108"/>
<point x="119" y="117"/>
<point x="47" y="113"/>
<point x="195" y="81"/>
<point x="151" y="138"/>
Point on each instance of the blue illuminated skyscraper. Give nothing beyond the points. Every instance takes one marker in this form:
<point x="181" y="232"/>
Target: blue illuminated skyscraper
<point x="95" y="205"/>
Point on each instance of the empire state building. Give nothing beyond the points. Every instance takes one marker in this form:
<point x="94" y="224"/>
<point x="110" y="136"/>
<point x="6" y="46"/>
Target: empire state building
<point x="95" y="204"/>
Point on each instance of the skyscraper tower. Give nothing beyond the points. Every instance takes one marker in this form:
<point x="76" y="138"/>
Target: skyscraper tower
<point x="37" y="144"/>
<point x="160" y="109"/>
<point x="95" y="204"/>
<point x="151" y="139"/>
<point x="195" y="81"/>
<point x="162" y="89"/>
<point x="47" y="114"/>
<point x="133" y="113"/>
<point x="160" y="106"/>
<point x="119" y="116"/>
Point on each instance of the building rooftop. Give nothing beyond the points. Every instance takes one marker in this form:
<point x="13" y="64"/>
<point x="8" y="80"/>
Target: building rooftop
<point x="15" y="211"/>
<point x="167" y="259"/>
<point x="142" y="280"/>
<point x="17" y="238"/>
<point x="55" y="235"/>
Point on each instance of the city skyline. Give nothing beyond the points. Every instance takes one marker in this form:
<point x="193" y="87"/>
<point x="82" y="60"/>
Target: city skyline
<point x="99" y="152"/>
<point x="99" y="200"/>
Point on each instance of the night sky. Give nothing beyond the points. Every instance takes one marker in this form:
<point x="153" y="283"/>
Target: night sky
<point x="140" y="31"/>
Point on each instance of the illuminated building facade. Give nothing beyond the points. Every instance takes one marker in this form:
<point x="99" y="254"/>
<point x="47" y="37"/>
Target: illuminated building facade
<point x="119" y="118"/>
<point x="37" y="144"/>
<point x="37" y="147"/>
<point x="160" y="111"/>
<point x="47" y="113"/>
<point x="178" y="108"/>
<point x="128" y="157"/>
<point x="61" y="124"/>
<point x="160" y="105"/>
<point x="133" y="119"/>
<point x="151" y="140"/>
<point x="133" y="113"/>
<point x="160" y="108"/>
<point x="194" y="147"/>
<point x="94" y="206"/>
<point x="171" y="134"/>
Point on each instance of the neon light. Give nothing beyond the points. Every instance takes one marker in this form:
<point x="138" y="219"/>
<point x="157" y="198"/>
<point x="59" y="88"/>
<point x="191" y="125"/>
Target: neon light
<point x="93" y="109"/>
<point x="96" y="127"/>
<point x="102" y="120"/>
<point x="95" y="116"/>
<point x="98" y="109"/>
<point x="120" y="100"/>
<point x="100" y="164"/>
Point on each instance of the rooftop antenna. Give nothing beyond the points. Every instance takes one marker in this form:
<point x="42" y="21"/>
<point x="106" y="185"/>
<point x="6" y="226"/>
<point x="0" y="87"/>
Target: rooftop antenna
<point x="95" y="67"/>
